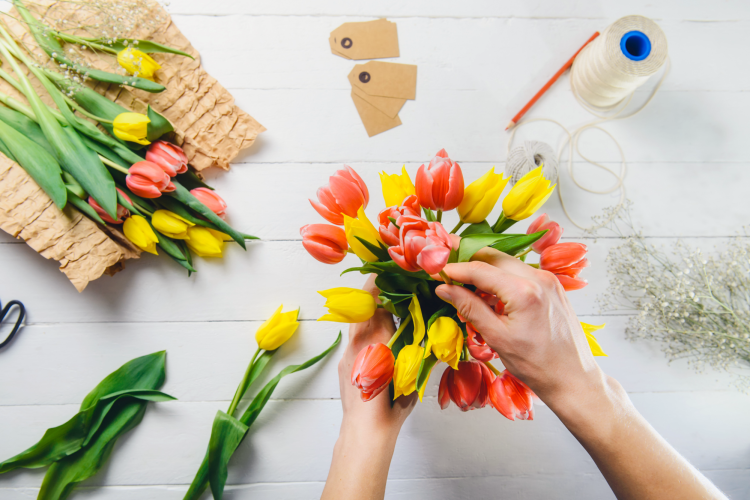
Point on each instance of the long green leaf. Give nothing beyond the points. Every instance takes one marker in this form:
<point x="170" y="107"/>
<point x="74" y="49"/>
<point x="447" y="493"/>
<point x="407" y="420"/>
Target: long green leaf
<point x="146" y="46"/>
<point x="479" y="227"/>
<point x="377" y="250"/>
<point x="226" y="434"/>
<point x="84" y="207"/>
<point x="38" y="163"/>
<point x="158" y="126"/>
<point x="145" y="372"/>
<point x="26" y="126"/>
<point x="508" y="243"/>
<point x="517" y="242"/>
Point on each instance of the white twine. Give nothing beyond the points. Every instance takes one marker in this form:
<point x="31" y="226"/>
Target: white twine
<point x="603" y="81"/>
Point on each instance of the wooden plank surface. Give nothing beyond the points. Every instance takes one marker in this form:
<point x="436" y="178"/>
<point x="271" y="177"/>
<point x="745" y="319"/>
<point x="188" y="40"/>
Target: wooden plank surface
<point x="478" y="63"/>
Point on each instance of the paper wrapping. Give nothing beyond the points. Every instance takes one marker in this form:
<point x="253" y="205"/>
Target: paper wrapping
<point x="208" y="125"/>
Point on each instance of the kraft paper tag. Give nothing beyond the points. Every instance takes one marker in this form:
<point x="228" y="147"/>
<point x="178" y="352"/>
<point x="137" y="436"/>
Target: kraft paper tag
<point x="365" y="40"/>
<point x="385" y="79"/>
<point x="374" y="120"/>
<point x="388" y="105"/>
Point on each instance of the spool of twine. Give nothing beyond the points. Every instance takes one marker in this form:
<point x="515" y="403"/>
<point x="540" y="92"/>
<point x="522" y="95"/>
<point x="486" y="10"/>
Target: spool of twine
<point x="531" y="154"/>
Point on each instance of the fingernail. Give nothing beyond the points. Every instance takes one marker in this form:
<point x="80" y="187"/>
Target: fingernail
<point x="443" y="292"/>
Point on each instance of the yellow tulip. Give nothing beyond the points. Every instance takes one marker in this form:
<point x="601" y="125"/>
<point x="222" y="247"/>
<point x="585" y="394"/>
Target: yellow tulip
<point x="405" y="370"/>
<point x="396" y="187"/>
<point x="417" y="319"/>
<point x="361" y="227"/>
<point x="446" y="340"/>
<point x="132" y="127"/>
<point x="277" y="329"/>
<point x="204" y="242"/>
<point x="527" y="196"/>
<point x="137" y="63"/>
<point x="139" y="232"/>
<point x="596" y="349"/>
<point x="170" y="224"/>
<point x="480" y="197"/>
<point x="348" y="305"/>
<point x="220" y="235"/>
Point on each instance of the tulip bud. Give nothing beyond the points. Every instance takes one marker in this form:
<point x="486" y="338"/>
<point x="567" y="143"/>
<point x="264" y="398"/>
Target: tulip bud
<point x="170" y="224"/>
<point x="132" y="127"/>
<point x="148" y="180"/>
<point x="137" y="63"/>
<point x="446" y="340"/>
<point x="527" y="196"/>
<point x="324" y="242"/>
<point x="390" y="231"/>
<point x="138" y="231"/>
<point x="440" y="185"/>
<point x="169" y="157"/>
<point x="406" y="369"/>
<point x="396" y="188"/>
<point x="566" y="261"/>
<point x="345" y="194"/>
<point x="373" y="370"/>
<point x="205" y="242"/>
<point x="213" y="201"/>
<point x="348" y="305"/>
<point x="551" y="237"/>
<point x="478" y="348"/>
<point x="468" y="386"/>
<point x="512" y="398"/>
<point x="277" y="329"/>
<point x="122" y="212"/>
<point x="361" y="228"/>
<point x="480" y="197"/>
<point x="596" y="349"/>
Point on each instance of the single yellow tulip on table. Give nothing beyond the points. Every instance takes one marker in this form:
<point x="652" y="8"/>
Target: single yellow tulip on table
<point x="277" y="329"/>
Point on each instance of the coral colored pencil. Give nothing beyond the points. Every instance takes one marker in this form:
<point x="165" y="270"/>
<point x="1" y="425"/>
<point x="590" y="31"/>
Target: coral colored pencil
<point x="547" y="85"/>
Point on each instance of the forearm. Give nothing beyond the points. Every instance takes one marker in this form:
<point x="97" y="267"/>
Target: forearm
<point x="361" y="459"/>
<point x="634" y="459"/>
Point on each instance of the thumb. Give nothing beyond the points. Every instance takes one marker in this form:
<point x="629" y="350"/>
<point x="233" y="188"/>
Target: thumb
<point x="472" y="308"/>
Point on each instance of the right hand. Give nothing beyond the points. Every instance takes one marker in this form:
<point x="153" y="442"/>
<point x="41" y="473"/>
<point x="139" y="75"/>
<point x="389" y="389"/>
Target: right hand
<point x="538" y="338"/>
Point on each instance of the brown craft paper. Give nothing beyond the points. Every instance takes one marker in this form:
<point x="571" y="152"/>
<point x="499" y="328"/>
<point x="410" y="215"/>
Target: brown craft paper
<point x="385" y="79"/>
<point x="388" y="105"/>
<point x="365" y="40"/>
<point x="374" y="120"/>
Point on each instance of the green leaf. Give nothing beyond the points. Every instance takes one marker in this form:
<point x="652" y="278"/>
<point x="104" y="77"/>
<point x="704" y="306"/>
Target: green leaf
<point x="159" y="125"/>
<point x="478" y="228"/>
<point x="429" y="215"/>
<point x="171" y="204"/>
<point x="145" y="372"/>
<point x="146" y="46"/>
<point x="396" y="303"/>
<point x="423" y="375"/>
<point x="260" y="364"/>
<point x="184" y="196"/>
<point x="378" y="251"/>
<point x="226" y="434"/>
<point x="84" y="207"/>
<point x="508" y="243"/>
<point x="515" y="243"/>
<point x="392" y="267"/>
<point x="38" y="163"/>
<point x="191" y="180"/>
<point x="26" y="126"/>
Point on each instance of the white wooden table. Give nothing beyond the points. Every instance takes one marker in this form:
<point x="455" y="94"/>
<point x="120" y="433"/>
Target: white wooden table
<point x="478" y="64"/>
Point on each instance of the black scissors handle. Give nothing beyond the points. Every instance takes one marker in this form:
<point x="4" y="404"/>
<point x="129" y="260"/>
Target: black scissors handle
<point x="4" y="312"/>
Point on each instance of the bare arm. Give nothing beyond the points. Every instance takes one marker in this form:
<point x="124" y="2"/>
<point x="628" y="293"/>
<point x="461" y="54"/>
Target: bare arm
<point x="364" y="449"/>
<point x="540" y="341"/>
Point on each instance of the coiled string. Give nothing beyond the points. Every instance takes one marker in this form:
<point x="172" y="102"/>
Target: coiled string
<point x="19" y="321"/>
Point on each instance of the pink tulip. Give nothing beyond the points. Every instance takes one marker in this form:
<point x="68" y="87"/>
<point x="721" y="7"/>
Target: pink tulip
<point x="566" y="261"/>
<point x="213" y="201"/>
<point x="440" y="185"/>
<point x="373" y="370"/>
<point x="324" y="242"/>
<point x="148" y="180"/>
<point x="169" y="157"/>
<point x="511" y="397"/>
<point x="122" y="212"/>
<point x="478" y="348"/>
<point x="468" y="387"/>
<point x="551" y="237"/>
<point x="390" y="231"/>
<point x="345" y="193"/>
<point x="422" y="245"/>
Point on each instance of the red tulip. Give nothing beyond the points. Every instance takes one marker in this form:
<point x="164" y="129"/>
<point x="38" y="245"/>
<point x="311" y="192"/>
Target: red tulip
<point x="491" y="301"/>
<point x="148" y="180"/>
<point x="512" y="398"/>
<point x="345" y="193"/>
<point x="122" y="212"/>
<point x="373" y="370"/>
<point x="213" y="201"/>
<point x="551" y="237"/>
<point x="169" y="157"/>
<point x="478" y="348"/>
<point x="440" y="185"/>
<point x="324" y="242"/>
<point x="422" y="245"/>
<point x="389" y="231"/>
<point x="468" y="386"/>
<point x="566" y="261"/>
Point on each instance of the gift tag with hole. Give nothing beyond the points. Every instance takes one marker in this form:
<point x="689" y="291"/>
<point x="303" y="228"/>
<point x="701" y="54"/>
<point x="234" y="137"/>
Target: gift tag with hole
<point x="385" y="79"/>
<point x="390" y="106"/>
<point x="374" y="120"/>
<point x="365" y="40"/>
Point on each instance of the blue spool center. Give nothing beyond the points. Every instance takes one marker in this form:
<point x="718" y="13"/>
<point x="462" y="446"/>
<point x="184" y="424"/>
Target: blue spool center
<point x="635" y="45"/>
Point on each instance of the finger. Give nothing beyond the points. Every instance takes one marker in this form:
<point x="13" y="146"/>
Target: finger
<point x="508" y="287"/>
<point x="370" y="286"/>
<point x="504" y="261"/>
<point x="472" y="308"/>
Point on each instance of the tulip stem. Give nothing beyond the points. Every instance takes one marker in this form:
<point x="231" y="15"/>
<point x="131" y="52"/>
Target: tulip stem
<point x="458" y="226"/>
<point x="492" y="368"/>
<point x="500" y="221"/>
<point x="446" y="278"/>
<point x="439" y="216"/>
<point x="113" y="165"/>
<point x="535" y="266"/>
<point x="136" y="205"/>
<point x="523" y="253"/>
<point x="396" y="335"/>
<point x="241" y="388"/>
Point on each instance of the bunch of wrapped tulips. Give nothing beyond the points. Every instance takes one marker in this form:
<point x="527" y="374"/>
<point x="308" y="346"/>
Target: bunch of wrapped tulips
<point x="408" y="250"/>
<point x="103" y="159"/>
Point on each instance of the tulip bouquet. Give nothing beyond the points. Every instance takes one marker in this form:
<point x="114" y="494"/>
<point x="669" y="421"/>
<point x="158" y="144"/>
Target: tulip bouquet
<point x="119" y="172"/>
<point x="408" y="251"/>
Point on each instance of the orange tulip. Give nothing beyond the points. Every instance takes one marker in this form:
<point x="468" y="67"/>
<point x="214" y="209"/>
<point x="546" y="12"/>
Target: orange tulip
<point x="440" y="185"/>
<point x="467" y="387"/>
<point x="213" y="201"/>
<point x="511" y="397"/>
<point x="122" y="212"/>
<point x="324" y="242"/>
<point x="551" y="237"/>
<point x="566" y="261"/>
<point x="169" y="157"/>
<point x="346" y="193"/>
<point x="373" y="370"/>
<point x="148" y="180"/>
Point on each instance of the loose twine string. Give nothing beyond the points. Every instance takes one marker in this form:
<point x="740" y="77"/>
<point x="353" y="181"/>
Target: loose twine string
<point x="598" y="69"/>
